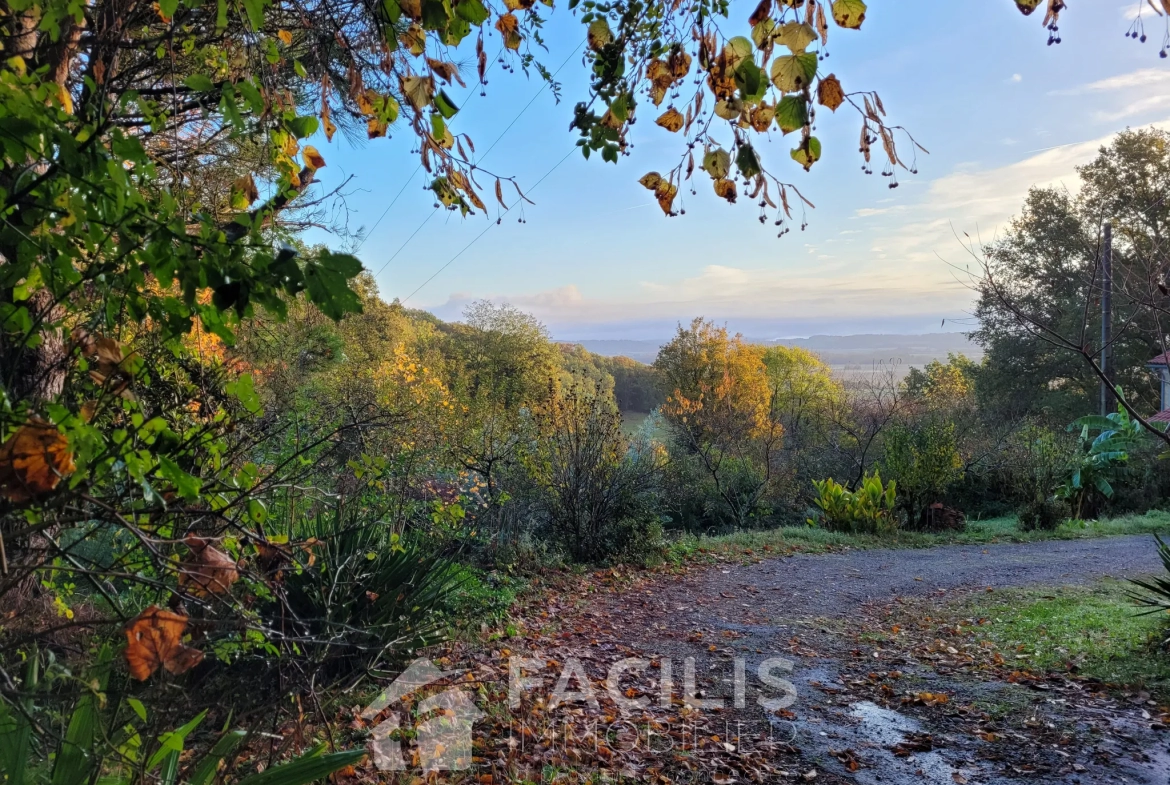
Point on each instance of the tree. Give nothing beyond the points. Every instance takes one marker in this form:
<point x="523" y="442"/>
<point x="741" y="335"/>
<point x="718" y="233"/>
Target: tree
<point x="722" y="411"/>
<point x="1039" y="288"/>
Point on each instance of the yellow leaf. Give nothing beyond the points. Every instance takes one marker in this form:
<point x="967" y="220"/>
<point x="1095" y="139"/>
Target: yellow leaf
<point x="851" y="13"/>
<point x="665" y="193"/>
<point x="285" y="37"/>
<point x="313" y="159"/>
<point x="671" y="120"/>
<point x="829" y="92"/>
<point x="651" y="180"/>
<point x="725" y="189"/>
<point x="509" y="27"/>
<point x="375" y="128"/>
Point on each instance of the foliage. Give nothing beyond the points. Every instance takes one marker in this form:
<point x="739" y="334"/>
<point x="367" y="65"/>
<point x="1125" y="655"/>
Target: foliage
<point x="924" y="459"/>
<point x="593" y="485"/>
<point x="868" y="510"/>
<point x="1102" y="461"/>
<point x="1158" y="599"/>
<point x="117" y="745"/>
<point x="1040" y="288"/>
<point x="368" y="598"/>
<point x="1034" y="463"/>
<point x="721" y="409"/>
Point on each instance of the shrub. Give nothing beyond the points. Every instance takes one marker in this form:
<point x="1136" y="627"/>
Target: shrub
<point x="593" y="488"/>
<point x="1033" y="463"/>
<point x="868" y="510"/>
<point x="925" y="462"/>
<point x="1159" y="598"/>
<point x="366" y="597"/>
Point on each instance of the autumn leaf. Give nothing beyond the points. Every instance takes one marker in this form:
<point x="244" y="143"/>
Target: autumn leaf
<point x="829" y="92"/>
<point x="762" y="12"/>
<point x="679" y="63"/>
<point x="313" y="159"/>
<point x="411" y="8"/>
<point x="725" y="189"/>
<point x="207" y="569"/>
<point x="651" y="180"/>
<point x="244" y="192"/>
<point x="33" y="461"/>
<point x="329" y="127"/>
<point x="418" y="90"/>
<point x="598" y="34"/>
<point x="1027" y="6"/>
<point x="665" y="193"/>
<point x="155" y="637"/>
<point x="851" y="13"/>
<point x="500" y="194"/>
<point x="762" y="117"/>
<point x="672" y="120"/>
<point x="717" y="163"/>
<point x="285" y="37"/>
<point x="808" y="153"/>
<point x="796" y="36"/>
<point x="790" y="73"/>
<point x="414" y="38"/>
<point x="376" y="128"/>
<point x="509" y="27"/>
<point x="519" y="5"/>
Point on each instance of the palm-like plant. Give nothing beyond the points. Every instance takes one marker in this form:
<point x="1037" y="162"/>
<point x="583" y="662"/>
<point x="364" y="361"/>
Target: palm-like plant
<point x="1102" y="459"/>
<point x="1158" y="600"/>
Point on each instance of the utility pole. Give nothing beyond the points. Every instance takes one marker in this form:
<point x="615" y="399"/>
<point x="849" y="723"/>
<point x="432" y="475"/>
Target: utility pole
<point x="1107" y="321"/>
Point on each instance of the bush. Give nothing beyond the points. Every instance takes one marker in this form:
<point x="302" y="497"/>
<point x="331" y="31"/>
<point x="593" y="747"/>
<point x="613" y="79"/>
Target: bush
<point x="925" y="462"/>
<point x="365" y="597"/>
<point x="592" y="486"/>
<point x="868" y="510"/>
<point x="1042" y="514"/>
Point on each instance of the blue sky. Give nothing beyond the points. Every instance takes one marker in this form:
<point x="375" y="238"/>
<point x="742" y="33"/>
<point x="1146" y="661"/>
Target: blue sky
<point x="975" y="83"/>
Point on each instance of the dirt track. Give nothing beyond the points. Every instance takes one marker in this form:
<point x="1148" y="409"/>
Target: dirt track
<point x="813" y="610"/>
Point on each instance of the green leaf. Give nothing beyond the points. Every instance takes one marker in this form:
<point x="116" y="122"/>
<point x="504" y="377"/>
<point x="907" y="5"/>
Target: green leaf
<point x="438" y="127"/>
<point x="305" y="769"/>
<point x="200" y="83"/>
<point x="255" y="11"/>
<point x="746" y="161"/>
<point x="473" y="11"/>
<point x="76" y="757"/>
<point x="137" y="707"/>
<point x="302" y="127"/>
<point x="791" y="113"/>
<point x="186" y="485"/>
<point x="763" y="32"/>
<point x="327" y="283"/>
<point x="168" y="7"/>
<point x="808" y="157"/>
<point x="445" y="105"/>
<point x="224" y="747"/>
<point x="750" y="81"/>
<point x="717" y="163"/>
<point x="792" y="73"/>
<point x="244" y="390"/>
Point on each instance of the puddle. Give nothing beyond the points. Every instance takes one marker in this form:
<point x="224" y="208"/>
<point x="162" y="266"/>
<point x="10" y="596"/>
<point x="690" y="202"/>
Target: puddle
<point x="885" y="728"/>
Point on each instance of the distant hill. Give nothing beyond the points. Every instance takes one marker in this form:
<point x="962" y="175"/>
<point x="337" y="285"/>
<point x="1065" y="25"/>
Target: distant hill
<point x="843" y="352"/>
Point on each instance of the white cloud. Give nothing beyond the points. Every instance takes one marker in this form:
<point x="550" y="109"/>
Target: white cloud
<point x="1015" y="78"/>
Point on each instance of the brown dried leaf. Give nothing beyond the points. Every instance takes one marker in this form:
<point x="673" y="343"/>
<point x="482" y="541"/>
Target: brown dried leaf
<point x="207" y="569"/>
<point x="153" y="638"/>
<point x="313" y="159"/>
<point x="33" y="461"/>
<point x="762" y="12"/>
<point x="829" y="92"/>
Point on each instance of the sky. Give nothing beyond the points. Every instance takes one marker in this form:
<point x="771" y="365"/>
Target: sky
<point x="976" y="84"/>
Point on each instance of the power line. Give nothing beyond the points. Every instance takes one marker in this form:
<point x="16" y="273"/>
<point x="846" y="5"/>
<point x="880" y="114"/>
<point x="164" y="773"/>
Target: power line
<point x="491" y="147"/>
<point x="417" y="168"/>
<point x="487" y="229"/>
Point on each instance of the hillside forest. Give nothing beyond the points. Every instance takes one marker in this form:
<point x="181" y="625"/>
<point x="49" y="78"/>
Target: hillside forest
<point x="238" y="487"/>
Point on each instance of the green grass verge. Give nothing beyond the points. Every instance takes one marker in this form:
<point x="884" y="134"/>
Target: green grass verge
<point x="1096" y="628"/>
<point x="809" y="539"/>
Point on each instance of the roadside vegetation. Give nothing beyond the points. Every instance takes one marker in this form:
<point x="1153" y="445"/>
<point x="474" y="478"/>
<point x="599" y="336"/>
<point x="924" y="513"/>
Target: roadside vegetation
<point x="238" y="488"/>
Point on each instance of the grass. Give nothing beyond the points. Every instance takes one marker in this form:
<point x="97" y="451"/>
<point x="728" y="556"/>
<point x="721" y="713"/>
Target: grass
<point x="809" y="539"/>
<point x="1097" y="628"/>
